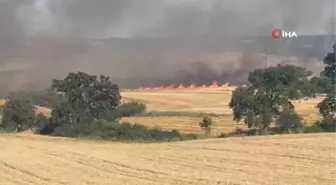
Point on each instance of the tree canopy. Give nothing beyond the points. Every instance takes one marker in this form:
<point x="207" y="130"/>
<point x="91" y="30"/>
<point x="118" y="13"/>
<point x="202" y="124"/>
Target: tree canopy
<point x="87" y="98"/>
<point x="18" y="114"/>
<point x="269" y="93"/>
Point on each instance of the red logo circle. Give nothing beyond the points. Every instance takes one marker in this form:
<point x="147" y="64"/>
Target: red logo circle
<point x="276" y="33"/>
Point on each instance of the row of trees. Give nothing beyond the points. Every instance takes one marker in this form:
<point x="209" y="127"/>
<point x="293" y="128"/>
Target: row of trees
<point x="82" y="101"/>
<point x="86" y="106"/>
<point x="267" y="98"/>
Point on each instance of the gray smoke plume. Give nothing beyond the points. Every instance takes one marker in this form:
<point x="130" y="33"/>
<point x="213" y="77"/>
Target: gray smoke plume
<point x="149" y="42"/>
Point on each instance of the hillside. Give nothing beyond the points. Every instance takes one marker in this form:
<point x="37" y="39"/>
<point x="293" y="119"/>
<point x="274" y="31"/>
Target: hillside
<point x="286" y="159"/>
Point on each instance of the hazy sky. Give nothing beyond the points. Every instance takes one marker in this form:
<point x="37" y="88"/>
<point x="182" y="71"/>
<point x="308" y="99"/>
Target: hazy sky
<point x="53" y="37"/>
<point x="129" y="18"/>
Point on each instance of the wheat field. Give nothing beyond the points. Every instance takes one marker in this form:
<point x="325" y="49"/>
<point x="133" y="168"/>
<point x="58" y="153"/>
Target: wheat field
<point x="207" y="100"/>
<point x="305" y="159"/>
<point x="284" y="160"/>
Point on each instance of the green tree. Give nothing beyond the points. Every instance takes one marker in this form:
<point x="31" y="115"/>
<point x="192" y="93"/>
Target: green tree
<point x="327" y="107"/>
<point x="45" y="98"/>
<point x="269" y="93"/>
<point x="289" y="122"/>
<point x="18" y="115"/>
<point x="87" y="98"/>
<point x="330" y="66"/>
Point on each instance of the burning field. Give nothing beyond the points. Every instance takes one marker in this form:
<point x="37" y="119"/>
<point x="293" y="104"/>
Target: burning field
<point x="181" y="108"/>
<point x="286" y="159"/>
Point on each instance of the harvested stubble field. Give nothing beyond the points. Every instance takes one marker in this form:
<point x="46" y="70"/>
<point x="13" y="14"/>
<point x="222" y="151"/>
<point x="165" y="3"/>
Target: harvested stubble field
<point x="307" y="159"/>
<point x="205" y="100"/>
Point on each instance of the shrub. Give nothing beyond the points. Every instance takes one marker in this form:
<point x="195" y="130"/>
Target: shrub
<point x="313" y="129"/>
<point x="289" y="121"/>
<point x="131" y="109"/>
<point x="117" y="132"/>
<point x="40" y="122"/>
<point x="18" y="115"/>
<point x="41" y="98"/>
<point x="180" y="114"/>
<point x="205" y="124"/>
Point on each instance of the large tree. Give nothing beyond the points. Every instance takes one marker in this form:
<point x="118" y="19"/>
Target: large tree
<point x="330" y="66"/>
<point x="87" y="98"/>
<point x="18" y="114"/>
<point x="269" y="93"/>
<point x="327" y="107"/>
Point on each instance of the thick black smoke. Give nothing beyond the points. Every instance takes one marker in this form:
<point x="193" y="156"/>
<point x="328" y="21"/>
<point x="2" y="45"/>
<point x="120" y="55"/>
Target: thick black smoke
<point x="148" y="42"/>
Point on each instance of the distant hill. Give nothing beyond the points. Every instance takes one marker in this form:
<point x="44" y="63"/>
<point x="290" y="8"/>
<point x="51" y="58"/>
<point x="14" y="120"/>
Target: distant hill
<point x="306" y="46"/>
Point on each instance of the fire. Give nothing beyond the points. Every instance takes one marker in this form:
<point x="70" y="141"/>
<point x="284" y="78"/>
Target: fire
<point x="192" y="86"/>
<point x="226" y="85"/>
<point x="215" y="84"/>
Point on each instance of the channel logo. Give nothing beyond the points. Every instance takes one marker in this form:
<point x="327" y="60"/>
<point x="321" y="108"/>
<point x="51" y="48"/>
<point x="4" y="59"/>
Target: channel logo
<point x="278" y="34"/>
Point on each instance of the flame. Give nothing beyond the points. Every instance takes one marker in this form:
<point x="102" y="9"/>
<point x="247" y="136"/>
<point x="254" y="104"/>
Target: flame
<point x="215" y="84"/>
<point x="172" y="86"/>
<point x="226" y="85"/>
<point x="192" y="86"/>
<point x="181" y="86"/>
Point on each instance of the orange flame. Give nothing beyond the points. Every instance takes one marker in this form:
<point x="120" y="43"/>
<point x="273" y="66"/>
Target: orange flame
<point x="181" y="86"/>
<point x="192" y="86"/>
<point x="214" y="84"/>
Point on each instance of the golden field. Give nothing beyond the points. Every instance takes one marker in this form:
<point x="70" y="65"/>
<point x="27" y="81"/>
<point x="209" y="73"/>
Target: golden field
<point x="205" y="100"/>
<point x="307" y="159"/>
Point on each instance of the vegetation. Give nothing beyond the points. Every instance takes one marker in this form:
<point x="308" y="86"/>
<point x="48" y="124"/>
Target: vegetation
<point x="45" y="98"/>
<point x="206" y="124"/>
<point x="84" y="105"/>
<point x="131" y="109"/>
<point x="327" y="107"/>
<point x="180" y="114"/>
<point x="115" y="131"/>
<point x="87" y="99"/>
<point x="289" y="122"/>
<point x="18" y="115"/>
<point x="269" y="94"/>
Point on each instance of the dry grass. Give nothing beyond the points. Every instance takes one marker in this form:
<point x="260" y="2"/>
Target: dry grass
<point x="307" y="159"/>
<point x="206" y="101"/>
<point x="186" y="125"/>
<point x="285" y="160"/>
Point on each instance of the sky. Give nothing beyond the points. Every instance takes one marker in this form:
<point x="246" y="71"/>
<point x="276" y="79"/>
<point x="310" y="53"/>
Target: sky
<point x="49" y="38"/>
<point x="148" y="18"/>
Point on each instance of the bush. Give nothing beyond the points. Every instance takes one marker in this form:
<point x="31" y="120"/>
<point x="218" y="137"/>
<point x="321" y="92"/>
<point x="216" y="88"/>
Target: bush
<point x="205" y="124"/>
<point x="41" y="98"/>
<point x="18" y="115"/>
<point x="40" y="122"/>
<point x="313" y="129"/>
<point x="117" y="132"/>
<point x="131" y="109"/>
<point x="288" y="122"/>
<point x="180" y="114"/>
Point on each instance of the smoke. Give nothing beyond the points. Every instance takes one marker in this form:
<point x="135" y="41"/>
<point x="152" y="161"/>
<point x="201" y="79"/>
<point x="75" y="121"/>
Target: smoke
<point x="146" y="42"/>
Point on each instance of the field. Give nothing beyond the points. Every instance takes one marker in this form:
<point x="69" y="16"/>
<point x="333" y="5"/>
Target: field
<point x="303" y="159"/>
<point x="290" y="160"/>
<point x="206" y="100"/>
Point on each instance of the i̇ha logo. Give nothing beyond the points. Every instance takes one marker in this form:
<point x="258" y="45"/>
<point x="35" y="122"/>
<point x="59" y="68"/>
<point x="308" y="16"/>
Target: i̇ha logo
<point x="277" y="34"/>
